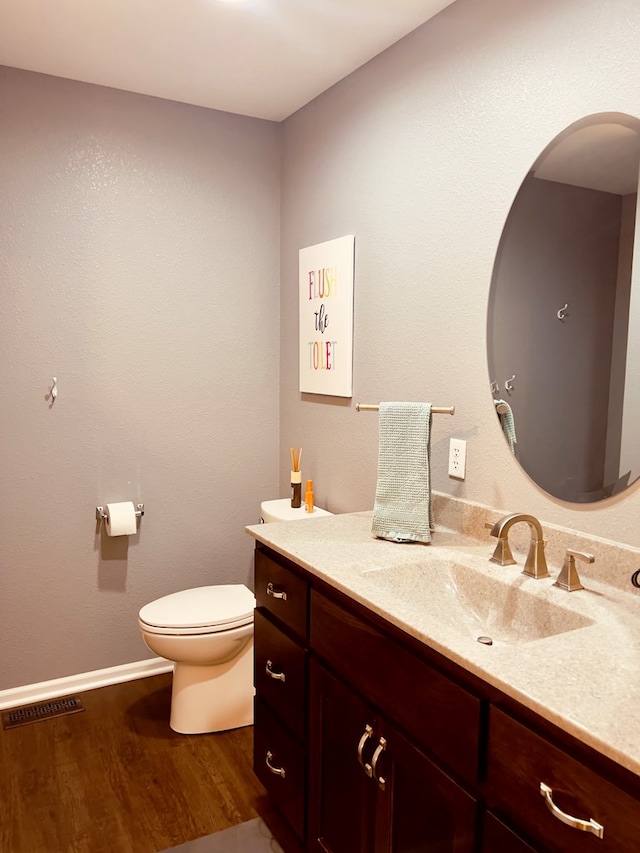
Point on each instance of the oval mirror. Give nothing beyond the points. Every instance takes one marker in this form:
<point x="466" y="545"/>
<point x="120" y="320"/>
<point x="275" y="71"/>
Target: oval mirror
<point x="563" y="326"/>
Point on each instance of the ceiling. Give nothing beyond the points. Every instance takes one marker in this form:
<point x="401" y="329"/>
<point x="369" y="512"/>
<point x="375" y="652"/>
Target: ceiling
<point x="263" y="58"/>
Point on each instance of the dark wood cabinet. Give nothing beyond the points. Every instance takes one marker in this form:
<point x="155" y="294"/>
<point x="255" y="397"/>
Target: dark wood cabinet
<point x="280" y="677"/>
<point x="279" y="763"/>
<point x="579" y="810"/>
<point x="429" y="811"/>
<point x="498" y="838"/>
<point x="372" y="790"/>
<point x="367" y="742"/>
<point x="282" y="594"/>
<point x="437" y="713"/>
<point x="342" y="796"/>
<point x="281" y="674"/>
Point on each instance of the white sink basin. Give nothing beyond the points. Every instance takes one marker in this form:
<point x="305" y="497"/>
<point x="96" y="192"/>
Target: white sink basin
<point x="472" y="602"/>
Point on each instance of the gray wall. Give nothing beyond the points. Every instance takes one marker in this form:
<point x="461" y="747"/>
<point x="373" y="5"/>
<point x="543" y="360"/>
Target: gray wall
<point x="139" y="252"/>
<point x="420" y="154"/>
<point x="139" y="265"/>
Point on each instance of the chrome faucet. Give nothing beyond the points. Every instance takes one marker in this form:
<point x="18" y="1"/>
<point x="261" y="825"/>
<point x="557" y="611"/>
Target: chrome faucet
<point x="535" y="565"/>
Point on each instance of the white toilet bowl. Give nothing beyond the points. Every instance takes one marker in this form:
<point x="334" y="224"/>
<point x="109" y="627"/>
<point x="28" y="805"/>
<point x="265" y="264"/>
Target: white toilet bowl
<point x="208" y="633"/>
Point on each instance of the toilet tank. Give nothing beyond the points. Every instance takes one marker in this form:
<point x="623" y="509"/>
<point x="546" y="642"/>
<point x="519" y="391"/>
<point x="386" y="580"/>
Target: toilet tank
<point x="281" y="510"/>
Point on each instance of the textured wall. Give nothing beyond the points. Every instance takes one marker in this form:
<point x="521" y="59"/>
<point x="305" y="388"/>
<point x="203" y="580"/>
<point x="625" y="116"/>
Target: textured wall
<point x="139" y="265"/>
<point x="420" y="154"/>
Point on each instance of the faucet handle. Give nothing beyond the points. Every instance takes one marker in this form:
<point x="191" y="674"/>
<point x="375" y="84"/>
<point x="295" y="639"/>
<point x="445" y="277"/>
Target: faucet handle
<point x="568" y="578"/>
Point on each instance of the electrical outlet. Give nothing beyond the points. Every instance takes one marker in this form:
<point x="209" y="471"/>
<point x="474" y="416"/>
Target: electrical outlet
<point x="457" y="458"/>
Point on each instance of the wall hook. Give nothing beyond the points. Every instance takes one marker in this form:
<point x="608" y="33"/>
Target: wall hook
<point x="562" y="313"/>
<point x="495" y="388"/>
<point x="508" y="385"/>
<point x="54" y="388"/>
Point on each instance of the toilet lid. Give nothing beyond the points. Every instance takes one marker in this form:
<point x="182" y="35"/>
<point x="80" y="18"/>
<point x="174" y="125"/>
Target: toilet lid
<point x="216" y="607"/>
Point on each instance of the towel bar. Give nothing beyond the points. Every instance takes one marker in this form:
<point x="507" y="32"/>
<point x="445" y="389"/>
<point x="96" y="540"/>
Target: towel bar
<point x="437" y="410"/>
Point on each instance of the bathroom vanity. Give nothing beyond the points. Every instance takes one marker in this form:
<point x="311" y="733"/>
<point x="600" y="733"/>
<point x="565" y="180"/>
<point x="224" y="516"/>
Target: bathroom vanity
<point x="382" y="724"/>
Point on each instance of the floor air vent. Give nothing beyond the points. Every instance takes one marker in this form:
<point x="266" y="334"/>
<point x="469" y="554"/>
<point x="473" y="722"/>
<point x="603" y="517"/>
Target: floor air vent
<point x="43" y="711"/>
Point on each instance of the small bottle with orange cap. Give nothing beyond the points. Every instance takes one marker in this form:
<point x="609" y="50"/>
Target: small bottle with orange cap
<point x="308" y="496"/>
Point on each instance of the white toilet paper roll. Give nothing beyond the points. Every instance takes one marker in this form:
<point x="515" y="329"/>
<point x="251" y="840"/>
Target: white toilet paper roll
<point x="120" y="519"/>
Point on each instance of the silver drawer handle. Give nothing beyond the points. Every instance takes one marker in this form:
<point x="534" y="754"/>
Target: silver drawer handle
<point x="576" y="822"/>
<point x="278" y="771"/>
<point x="277" y="676"/>
<point x="275" y="593"/>
<point x="368" y="731"/>
<point x="380" y="748"/>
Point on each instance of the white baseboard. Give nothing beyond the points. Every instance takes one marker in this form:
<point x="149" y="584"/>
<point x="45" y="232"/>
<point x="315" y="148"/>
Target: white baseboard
<point x="31" y="693"/>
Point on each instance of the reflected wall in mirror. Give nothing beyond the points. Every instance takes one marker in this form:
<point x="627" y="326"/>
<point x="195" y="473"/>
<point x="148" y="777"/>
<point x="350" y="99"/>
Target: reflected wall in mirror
<point x="563" y="326"/>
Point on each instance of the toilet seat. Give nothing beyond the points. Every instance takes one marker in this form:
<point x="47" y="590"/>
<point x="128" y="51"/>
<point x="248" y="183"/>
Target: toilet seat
<point x="202" y="610"/>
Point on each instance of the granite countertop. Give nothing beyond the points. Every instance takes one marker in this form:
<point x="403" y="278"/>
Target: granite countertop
<point x="585" y="679"/>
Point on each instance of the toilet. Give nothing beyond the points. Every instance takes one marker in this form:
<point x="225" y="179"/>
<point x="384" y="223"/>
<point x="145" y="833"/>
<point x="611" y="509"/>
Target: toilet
<point x="208" y="633"/>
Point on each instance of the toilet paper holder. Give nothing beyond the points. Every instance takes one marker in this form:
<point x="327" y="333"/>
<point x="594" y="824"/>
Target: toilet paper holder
<point x="101" y="514"/>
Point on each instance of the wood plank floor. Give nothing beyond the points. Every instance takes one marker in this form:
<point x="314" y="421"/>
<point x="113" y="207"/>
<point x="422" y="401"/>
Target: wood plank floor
<point x="116" y="779"/>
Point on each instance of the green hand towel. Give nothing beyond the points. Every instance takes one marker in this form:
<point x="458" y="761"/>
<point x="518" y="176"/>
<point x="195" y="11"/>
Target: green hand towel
<point x="505" y="414"/>
<point x="402" y="510"/>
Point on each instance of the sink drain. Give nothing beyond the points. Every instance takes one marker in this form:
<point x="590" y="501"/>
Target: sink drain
<point x="487" y="641"/>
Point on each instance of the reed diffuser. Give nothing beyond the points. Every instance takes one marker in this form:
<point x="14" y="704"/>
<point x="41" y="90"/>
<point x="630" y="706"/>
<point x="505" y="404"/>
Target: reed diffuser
<point x="296" y="478"/>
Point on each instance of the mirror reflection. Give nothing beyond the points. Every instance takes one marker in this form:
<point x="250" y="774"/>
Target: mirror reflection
<point x="563" y="327"/>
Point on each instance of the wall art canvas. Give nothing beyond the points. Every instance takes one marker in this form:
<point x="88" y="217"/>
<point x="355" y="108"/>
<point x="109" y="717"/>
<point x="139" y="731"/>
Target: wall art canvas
<point x="326" y="273"/>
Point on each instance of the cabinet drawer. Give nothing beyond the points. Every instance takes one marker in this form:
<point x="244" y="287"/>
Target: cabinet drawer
<point x="520" y="760"/>
<point x="437" y="713"/>
<point x="283" y="593"/>
<point x="278" y="761"/>
<point x="280" y="673"/>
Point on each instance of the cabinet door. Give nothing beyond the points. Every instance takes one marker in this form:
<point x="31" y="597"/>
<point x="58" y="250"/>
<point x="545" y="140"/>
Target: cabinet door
<point x="421" y="809"/>
<point x="399" y="802"/>
<point x="497" y="838"/>
<point x="342" y="798"/>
